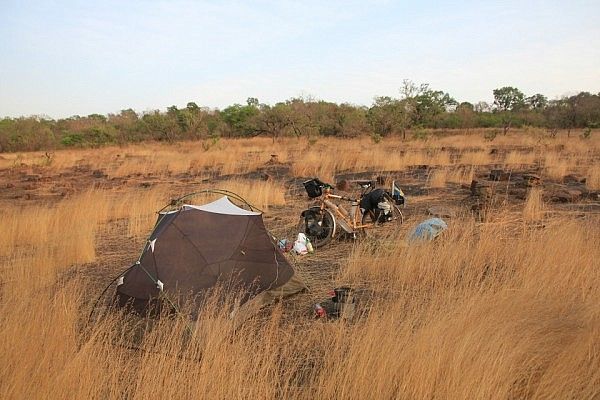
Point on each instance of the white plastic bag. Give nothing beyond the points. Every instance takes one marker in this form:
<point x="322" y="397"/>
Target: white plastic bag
<point x="300" y="244"/>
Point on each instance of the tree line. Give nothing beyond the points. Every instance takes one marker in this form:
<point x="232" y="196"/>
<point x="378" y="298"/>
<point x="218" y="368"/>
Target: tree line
<point x="417" y="107"/>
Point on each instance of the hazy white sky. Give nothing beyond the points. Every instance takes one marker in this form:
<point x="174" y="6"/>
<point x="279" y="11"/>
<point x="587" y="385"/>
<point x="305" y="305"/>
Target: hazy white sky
<point x="61" y="58"/>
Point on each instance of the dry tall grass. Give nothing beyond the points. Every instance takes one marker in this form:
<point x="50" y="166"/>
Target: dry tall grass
<point x="489" y="310"/>
<point x="39" y="243"/>
<point x="534" y="206"/>
<point x="520" y="159"/>
<point x="438" y="178"/>
<point x="593" y="178"/>
<point x="325" y="157"/>
<point x="483" y="313"/>
<point x="556" y="167"/>
<point x="140" y="208"/>
<point x="261" y="194"/>
<point x="462" y="175"/>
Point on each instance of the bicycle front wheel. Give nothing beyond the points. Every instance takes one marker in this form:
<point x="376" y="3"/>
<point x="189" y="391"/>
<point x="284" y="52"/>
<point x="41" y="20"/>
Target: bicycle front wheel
<point x="319" y="226"/>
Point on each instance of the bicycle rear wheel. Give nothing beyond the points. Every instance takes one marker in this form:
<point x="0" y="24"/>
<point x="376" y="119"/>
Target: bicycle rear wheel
<point x="372" y="216"/>
<point x="396" y="212"/>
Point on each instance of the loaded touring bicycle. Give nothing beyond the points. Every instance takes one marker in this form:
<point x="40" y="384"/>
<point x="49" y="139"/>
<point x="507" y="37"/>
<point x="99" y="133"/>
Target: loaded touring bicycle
<point x="328" y="217"/>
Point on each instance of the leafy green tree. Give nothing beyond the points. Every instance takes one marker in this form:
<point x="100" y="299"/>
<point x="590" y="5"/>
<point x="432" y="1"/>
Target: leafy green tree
<point x="241" y="119"/>
<point x="193" y="107"/>
<point x="537" y="102"/>
<point x="507" y="101"/>
<point x="26" y="134"/>
<point x="100" y="135"/>
<point x="421" y="105"/>
<point x="159" y="126"/>
<point x="430" y="104"/>
<point x="508" y="98"/>
<point x="127" y="126"/>
<point x="586" y="109"/>
<point x="578" y="111"/>
<point x="386" y="115"/>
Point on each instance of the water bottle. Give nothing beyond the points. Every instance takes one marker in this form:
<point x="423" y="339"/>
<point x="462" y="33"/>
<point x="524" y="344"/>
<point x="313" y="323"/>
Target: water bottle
<point x="309" y="246"/>
<point x="353" y="209"/>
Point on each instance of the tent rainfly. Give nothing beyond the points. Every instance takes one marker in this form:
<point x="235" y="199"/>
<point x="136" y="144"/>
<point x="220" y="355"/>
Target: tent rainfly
<point x="194" y="248"/>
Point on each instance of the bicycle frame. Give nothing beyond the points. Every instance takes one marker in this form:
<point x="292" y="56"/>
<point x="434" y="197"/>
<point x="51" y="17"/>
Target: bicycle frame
<point x="352" y="219"/>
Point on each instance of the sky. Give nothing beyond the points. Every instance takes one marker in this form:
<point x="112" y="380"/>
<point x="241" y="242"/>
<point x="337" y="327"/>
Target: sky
<point x="64" y="58"/>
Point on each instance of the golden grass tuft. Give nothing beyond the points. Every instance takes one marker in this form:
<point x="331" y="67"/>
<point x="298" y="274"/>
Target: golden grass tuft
<point x="519" y="158"/>
<point x="40" y="242"/>
<point x="139" y="208"/>
<point x="475" y="157"/>
<point x="556" y="167"/>
<point x="592" y="180"/>
<point x="534" y="208"/>
<point x="260" y="193"/>
<point x="438" y="178"/>
<point x="463" y="176"/>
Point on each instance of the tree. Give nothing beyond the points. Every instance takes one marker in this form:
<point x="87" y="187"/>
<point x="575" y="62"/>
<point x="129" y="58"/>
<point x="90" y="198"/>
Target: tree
<point x="252" y="101"/>
<point x="343" y="119"/>
<point x="25" y="133"/>
<point x="160" y="126"/>
<point x="385" y="115"/>
<point x="273" y="120"/>
<point x="422" y="105"/>
<point x="127" y="126"/>
<point x="581" y="110"/>
<point x="508" y="100"/>
<point x="430" y="104"/>
<point x="241" y="119"/>
<point x="193" y="120"/>
<point x="408" y="94"/>
<point x="303" y="113"/>
<point x="191" y="106"/>
<point x="481" y="107"/>
<point x="537" y="102"/>
<point x="586" y="109"/>
<point x="466" y="115"/>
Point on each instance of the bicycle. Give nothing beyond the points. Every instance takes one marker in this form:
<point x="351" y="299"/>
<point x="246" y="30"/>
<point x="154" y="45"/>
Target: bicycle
<point x="321" y="221"/>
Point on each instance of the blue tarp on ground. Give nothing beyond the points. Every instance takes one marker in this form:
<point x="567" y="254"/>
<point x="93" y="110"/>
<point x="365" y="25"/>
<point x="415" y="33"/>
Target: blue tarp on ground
<point x="427" y="230"/>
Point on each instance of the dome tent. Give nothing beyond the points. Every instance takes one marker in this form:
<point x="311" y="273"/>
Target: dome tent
<point x="195" y="248"/>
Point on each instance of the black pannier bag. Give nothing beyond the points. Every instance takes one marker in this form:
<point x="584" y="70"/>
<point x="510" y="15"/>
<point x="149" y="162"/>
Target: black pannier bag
<point x="314" y="187"/>
<point x="311" y="221"/>
<point x="375" y="202"/>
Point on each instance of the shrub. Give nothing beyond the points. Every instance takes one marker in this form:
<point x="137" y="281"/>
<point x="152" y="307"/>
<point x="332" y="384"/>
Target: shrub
<point x="72" y="139"/>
